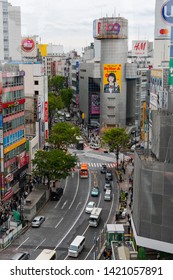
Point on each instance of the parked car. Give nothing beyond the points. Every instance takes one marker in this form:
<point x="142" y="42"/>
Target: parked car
<point x="20" y="256"/>
<point x="103" y="169"/>
<point x="108" y="175"/>
<point x="37" y="221"/>
<point x="95" y="191"/>
<point x="90" y="207"/>
<point x="56" y="195"/>
<point x="107" y="186"/>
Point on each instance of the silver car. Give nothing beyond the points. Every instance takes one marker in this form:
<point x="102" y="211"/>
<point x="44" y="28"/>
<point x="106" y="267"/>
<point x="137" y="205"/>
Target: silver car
<point x="90" y="207"/>
<point x="20" y="256"/>
<point x="37" y="221"/>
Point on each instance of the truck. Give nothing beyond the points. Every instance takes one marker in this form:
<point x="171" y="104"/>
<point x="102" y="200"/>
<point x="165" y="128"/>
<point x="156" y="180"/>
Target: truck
<point x="95" y="217"/>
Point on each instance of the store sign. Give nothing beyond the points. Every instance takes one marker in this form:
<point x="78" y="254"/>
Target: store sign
<point x="22" y="159"/>
<point x="28" y="45"/>
<point x="171" y="72"/>
<point x="46" y="117"/>
<point x="113" y="27"/>
<point x="167" y="12"/>
<point x="9" y="178"/>
<point x="139" y="48"/>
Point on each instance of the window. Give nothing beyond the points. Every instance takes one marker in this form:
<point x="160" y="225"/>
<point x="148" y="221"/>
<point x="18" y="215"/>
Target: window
<point x="36" y="92"/>
<point x="36" y="82"/>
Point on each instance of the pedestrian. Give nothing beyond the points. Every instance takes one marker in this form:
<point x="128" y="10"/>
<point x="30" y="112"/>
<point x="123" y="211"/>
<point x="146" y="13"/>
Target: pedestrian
<point x="105" y="254"/>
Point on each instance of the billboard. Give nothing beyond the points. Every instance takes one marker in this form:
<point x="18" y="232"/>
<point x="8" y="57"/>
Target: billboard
<point x="162" y="29"/>
<point x="112" y="76"/>
<point x="95" y="104"/>
<point x="29" y="47"/>
<point x="110" y="28"/>
<point x="158" y="95"/>
<point x="140" y="48"/>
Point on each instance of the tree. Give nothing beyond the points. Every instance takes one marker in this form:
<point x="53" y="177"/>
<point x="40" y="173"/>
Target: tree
<point x="55" y="102"/>
<point x="116" y="138"/>
<point x="53" y="165"/>
<point x="63" y="134"/>
<point x="67" y="95"/>
<point x="56" y="84"/>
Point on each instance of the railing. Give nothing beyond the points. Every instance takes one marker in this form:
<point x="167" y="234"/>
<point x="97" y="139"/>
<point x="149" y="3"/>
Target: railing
<point x="10" y="234"/>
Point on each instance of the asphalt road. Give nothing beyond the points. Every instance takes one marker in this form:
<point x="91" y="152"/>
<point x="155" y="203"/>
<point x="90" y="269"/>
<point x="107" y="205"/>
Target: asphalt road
<point x="67" y="218"/>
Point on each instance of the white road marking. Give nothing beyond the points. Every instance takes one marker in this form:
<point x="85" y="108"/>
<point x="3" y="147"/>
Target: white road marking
<point x="39" y="244"/>
<point x="59" y="222"/>
<point x="75" y="192"/>
<point x="22" y="243"/>
<point x="64" y="204"/>
<point x="78" y="205"/>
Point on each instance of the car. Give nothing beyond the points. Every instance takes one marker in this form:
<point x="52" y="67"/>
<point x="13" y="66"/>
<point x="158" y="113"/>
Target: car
<point x="55" y="120"/>
<point x="90" y="207"/>
<point x="108" y="195"/>
<point x="61" y="118"/>
<point x="94" y="146"/>
<point x="56" y="195"/>
<point x="108" y="175"/>
<point x="95" y="191"/>
<point x="107" y="186"/>
<point x="37" y="221"/>
<point x="103" y="169"/>
<point x="20" y="256"/>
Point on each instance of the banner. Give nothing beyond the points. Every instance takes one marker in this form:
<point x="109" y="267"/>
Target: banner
<point x="112" y="75"/>
<point x="95" y="104"/>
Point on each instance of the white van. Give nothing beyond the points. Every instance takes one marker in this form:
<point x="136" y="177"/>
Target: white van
<point x="76" y="246"/>
<point x="95" y="217"/>
<point x="108" y="195"/>
<point x="67" y="117"/>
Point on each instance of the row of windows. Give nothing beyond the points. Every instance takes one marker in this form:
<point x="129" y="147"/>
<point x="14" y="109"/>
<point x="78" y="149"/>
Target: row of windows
<point x="14" y="123"/>
<point x="13" y="168"/>
<point x="11" y="139"/>
<point x="15" y="152"/>
<point x="13" y="109"/>
<point x="8" y="81"/>
<point x="13" y="95"/>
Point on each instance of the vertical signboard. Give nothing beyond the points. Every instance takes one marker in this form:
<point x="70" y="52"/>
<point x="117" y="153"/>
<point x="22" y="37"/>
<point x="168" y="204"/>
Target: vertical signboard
<point x="112" y="75"/>
<point x="95" y="104"/>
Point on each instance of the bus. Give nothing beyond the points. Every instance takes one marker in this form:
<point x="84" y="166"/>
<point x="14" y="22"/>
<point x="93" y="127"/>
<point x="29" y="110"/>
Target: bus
<point x="47" y="254"/>
<point x="95" y="217"/>
<point x="84" y="170"/>
<point x="80" y="143"/>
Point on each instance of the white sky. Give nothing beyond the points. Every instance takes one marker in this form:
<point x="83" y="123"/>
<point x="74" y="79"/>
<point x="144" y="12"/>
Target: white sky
<point x="70" y="22"/>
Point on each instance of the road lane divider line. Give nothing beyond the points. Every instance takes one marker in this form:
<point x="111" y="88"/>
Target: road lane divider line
<point x="75" y="192"/>
<point x="89" y="252"/>
<point x="22" y="243"/>
<point x="39" y="244"/>
<point x="77" y="217"/>
<point x="110" y="210"/>
<point x="64" y="204"/>
<point x="59" y="222"/>
<point x="78" y="205"/>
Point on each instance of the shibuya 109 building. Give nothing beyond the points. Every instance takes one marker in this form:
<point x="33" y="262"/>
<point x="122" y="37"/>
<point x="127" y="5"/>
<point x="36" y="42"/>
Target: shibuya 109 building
<point x="113" y="35"/>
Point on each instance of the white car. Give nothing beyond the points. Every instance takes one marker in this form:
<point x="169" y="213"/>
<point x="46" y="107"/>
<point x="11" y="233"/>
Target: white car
<point x="94" y="146"/>
<point x="37" y="221"/>
<point x="90" y="207"/>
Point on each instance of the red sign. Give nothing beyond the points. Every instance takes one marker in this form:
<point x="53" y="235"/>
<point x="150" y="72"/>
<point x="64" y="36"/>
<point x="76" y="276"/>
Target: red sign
<point x="13" y="103"/>
<point x="140" y="48"/>
<point x="46" y="115"/>
<point x="28" y="45"/>
<point x="22" y="159"/>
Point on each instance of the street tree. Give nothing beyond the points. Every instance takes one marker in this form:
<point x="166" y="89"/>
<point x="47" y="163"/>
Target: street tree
<point x="63" y="134"/>
<point x="56" y="84"/>
<point x="116" y="138"/>
<point x="67" y="95"/>
<point x="53" y="165"/>
<point x="54" y="102"/>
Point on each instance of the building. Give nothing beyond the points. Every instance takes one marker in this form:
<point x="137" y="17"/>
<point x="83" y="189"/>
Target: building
<point x="14" y="159"/>
<point x="10" y="31"/>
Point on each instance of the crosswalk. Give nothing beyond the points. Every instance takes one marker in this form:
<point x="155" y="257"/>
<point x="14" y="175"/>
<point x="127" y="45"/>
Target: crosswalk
<point x="98" y="164"/>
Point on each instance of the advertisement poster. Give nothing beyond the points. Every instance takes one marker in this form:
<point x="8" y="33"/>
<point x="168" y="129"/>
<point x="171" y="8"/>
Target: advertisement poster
<point x="112" y="74"/>
<point x="95" y="104"/>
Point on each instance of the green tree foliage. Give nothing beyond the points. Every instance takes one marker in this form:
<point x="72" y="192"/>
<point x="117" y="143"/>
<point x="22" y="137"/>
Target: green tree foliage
<point x="63" y="134"/>
<point x="53" y="165"/>
<point x="116" y="138"/>
<point x="67" y="95"/>
<point x="55" y="102"/>
<point x="56" y="84"/>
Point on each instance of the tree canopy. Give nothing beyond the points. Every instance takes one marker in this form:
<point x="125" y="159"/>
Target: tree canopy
<point x="55" y="102"/>
<point x="67" y="95"/>
<point x="53" y="164"/>
<point x="116" y="138"/>
<point x="63" y="134"/>
<point x="56" y="84"/>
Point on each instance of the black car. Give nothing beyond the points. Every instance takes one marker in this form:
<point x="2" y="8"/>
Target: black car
<point x="56" y="195"/>
<point x="108" y="175"/>
<point x="103" y="169"/>
<point x="107" y="186"/>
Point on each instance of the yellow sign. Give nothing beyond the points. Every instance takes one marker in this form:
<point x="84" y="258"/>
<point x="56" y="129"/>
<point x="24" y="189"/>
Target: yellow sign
<point x="15" y="145"/>
<point x="43" y="49"/>
<point x="83" y="116"/>
<point x="112" y="76"/>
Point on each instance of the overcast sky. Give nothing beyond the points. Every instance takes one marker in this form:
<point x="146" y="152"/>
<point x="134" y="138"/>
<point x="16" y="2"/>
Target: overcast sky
<point x="70" y="22"/>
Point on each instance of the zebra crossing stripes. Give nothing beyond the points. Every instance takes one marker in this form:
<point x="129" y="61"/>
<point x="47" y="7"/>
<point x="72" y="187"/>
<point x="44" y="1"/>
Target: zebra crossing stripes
<point x="98" y="164"/>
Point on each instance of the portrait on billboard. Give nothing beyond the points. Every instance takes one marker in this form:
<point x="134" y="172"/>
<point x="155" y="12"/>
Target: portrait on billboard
<point x="112" y="78"/>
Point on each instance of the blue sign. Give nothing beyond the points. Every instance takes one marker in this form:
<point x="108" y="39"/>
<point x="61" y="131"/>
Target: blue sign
<point x="167" y="12"/>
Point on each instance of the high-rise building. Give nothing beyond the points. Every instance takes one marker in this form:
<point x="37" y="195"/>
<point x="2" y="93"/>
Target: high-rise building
<point x="10" y="31"/>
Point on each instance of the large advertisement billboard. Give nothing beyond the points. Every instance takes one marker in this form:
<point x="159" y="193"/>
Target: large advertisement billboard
<point x="29" y="47"/>
<point x="95" y="104"/>
<point x="112" y="76"/>
<point x="140" y="48"/>
<point x="162" y="29"/>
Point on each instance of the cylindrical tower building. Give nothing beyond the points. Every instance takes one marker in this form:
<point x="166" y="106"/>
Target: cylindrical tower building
<point x="113" y="33"/>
